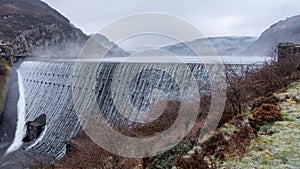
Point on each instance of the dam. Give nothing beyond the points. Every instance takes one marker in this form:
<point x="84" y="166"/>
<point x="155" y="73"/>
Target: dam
<point x="62" y="90"/>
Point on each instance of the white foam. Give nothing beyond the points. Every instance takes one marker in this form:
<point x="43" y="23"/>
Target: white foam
<point x="20" y="131"/>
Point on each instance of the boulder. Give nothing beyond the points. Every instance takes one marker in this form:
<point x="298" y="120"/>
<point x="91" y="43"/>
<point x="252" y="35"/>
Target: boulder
<point x="35" y="128"/>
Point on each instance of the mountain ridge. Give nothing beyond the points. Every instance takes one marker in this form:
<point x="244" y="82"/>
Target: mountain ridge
<point x="27" y="26"/>
<point x="287" y="30"/>
<point x="226" y="45"/>
<point x="32" y="27"/>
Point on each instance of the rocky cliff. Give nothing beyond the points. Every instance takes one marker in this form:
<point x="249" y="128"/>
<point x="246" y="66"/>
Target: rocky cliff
<point x="31" y="25"/>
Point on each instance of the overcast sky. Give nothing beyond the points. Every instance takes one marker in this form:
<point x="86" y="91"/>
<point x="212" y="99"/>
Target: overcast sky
<point x="212" y="17"/>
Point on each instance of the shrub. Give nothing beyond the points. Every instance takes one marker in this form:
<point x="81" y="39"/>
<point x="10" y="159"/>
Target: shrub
<point x="264" y="100"/>
<point x="266" y="113"/>
<point x="195" y="161"/>
<point x="244" y="87"/>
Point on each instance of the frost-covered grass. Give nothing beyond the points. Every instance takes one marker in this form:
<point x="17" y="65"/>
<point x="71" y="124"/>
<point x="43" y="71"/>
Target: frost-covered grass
<point x="281" y="149"/>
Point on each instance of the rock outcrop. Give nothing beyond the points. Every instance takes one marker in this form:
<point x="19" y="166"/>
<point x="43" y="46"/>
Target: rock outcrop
<point x="35" y="128"/>
<point x="32" y="25"/>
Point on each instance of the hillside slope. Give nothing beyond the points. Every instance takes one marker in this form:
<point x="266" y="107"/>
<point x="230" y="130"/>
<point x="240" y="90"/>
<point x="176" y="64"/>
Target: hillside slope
<point x="281" y="148"/>
<point x="29" y="25"/>
<point x="283" y="31"/>
<point x="33" y="27"/>
<point x="225" y="46"/>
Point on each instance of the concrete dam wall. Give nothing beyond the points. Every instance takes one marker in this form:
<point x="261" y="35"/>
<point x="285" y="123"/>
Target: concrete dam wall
<point x="47" y="90"/>
<point x="64" y="91"/>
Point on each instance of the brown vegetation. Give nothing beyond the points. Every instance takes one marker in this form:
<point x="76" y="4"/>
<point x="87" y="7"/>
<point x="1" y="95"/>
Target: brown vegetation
<point x="253" y="90"/>
<point x="195" y="161"/>
<point x="83" y="153"/>
<point x="264" y="114"/>
<point x="160" y="124"/>
<point x="243" y="91"/>
<point x="220" y="146"/>
<point x="267" y="113"/>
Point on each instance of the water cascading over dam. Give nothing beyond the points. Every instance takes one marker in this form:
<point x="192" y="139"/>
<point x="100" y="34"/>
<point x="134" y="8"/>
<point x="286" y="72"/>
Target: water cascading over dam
<point x="52" y="88"/>
<point x="47" y="90"/>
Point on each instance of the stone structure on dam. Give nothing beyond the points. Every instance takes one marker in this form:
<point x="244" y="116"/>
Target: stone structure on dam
<point x="64" y="91"/>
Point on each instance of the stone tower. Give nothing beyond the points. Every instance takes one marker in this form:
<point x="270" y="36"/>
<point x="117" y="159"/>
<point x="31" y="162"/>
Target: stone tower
<point x="287" y="50"/>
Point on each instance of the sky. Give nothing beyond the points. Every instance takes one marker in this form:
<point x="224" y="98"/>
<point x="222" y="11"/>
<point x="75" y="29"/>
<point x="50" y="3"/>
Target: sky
<point x="212" y="17"/>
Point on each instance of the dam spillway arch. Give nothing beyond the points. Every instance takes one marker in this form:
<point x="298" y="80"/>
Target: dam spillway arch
<point x="48" y="90"/>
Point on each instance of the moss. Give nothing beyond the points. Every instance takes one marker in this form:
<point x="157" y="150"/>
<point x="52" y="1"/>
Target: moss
<point x="287" y="117"/>
<point x="165" y="160"/>
<point x="228" y="128"/>
<point x="266" y="127"/>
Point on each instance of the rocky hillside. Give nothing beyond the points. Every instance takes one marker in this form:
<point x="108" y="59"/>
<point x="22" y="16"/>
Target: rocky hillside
<point x="284" y="31"/>
<point x="226" y="46"/>
<point x="32" y="25"/>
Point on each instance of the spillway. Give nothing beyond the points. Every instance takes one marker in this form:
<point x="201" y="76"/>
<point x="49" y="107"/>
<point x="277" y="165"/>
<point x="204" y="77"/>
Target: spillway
<point x="62" y="89"/>
<point x="47" y="90"/>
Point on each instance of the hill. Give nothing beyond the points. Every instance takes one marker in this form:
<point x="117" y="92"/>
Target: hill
<point x="31" y="27"/>
<point x="283" y="31"/>
<point x="226" y="46"/>
<point x="27" y="25"/>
